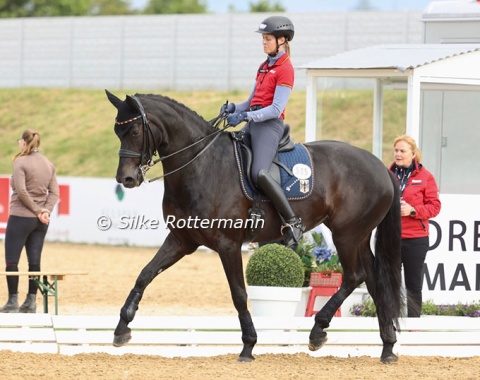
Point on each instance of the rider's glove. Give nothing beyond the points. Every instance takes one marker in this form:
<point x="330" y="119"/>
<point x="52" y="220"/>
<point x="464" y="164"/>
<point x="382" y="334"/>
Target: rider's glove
<point x="227" y="108"/>
<point x="236" y="118"/>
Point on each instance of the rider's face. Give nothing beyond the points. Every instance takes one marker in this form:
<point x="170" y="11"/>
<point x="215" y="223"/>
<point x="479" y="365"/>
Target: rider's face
<point x="270" y="43"/>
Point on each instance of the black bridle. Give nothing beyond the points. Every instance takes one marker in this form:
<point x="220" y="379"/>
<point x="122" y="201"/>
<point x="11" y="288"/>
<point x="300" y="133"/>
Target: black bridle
<point x="149" y="150"/>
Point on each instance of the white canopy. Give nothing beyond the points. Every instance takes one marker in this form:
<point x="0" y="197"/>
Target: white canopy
<point x="423" y="66"/>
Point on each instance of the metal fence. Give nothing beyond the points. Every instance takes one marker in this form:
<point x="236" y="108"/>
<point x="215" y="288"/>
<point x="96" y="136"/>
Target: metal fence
<point x="178" y="52"/>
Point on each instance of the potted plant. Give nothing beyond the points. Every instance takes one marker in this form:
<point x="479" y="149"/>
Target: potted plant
<point x="316" y="256"/>
<point x="275" y="275"/>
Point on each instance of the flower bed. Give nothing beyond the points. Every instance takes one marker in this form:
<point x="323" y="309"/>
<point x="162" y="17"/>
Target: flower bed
<point x="367" y="309"/>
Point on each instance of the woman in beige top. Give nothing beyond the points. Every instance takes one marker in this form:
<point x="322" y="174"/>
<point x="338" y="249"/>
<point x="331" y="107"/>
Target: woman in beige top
<point x="35" y="193"/>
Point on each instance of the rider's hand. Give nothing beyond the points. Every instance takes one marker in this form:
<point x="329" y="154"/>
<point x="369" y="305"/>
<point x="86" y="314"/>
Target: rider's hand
<point x="227" y="108"/>
<point x="236" y="118"/>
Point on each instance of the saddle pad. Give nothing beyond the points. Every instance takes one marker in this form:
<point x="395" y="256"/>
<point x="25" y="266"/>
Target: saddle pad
<point x="296" y="187"/>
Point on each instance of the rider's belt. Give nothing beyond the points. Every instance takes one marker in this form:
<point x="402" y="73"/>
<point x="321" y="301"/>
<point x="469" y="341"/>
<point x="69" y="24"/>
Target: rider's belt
<point x="256" y="107"/>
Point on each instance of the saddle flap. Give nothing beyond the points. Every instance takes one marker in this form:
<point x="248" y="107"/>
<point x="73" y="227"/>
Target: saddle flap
<point x="286" y="143"/>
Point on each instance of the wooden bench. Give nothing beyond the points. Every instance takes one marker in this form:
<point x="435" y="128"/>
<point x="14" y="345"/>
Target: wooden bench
<point x="47" y="283"/>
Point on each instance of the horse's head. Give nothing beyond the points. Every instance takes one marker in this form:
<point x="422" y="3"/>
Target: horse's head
<point x="136" y="140"/>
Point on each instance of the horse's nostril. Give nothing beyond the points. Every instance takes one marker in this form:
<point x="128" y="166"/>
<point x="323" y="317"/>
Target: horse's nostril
<point x="129" y="182"/>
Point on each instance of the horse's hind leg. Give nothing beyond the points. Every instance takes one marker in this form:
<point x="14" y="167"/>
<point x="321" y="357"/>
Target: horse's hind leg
<point x="318" y="337"/>
<point x="353" y="275"/>
<point x="172" y="251"/>
<point x="386" y="326"/>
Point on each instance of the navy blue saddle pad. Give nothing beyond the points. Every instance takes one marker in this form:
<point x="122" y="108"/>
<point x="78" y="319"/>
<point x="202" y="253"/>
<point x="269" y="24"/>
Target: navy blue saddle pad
<point x="298" y="186"/>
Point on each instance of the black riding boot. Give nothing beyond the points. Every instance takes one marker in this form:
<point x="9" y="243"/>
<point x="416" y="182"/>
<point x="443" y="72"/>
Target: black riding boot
<point x="12" y="304"/>
<point x="30" y="304"/>
<point x="292" y="228"/>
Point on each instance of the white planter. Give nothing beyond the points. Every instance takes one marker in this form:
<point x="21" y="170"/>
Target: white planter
<point x="302" y="305"/>
<point x="274" y="300"/>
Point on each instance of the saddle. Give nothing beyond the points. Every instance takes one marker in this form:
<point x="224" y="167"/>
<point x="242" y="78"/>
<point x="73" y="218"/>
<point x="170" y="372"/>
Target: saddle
<point x="245" y="155"/>
<point x="292" y="169"/>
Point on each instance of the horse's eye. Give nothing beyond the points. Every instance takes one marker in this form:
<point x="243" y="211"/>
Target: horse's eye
<point x="135" y="132"/>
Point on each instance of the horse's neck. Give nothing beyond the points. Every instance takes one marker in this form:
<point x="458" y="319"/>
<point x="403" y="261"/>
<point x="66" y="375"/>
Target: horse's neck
<point x="187" y="133"/>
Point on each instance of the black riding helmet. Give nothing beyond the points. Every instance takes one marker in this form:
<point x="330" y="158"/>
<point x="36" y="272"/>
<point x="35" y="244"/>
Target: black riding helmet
<point x="279" y="26"/>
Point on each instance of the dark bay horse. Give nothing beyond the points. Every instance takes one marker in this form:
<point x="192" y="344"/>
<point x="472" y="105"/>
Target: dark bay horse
<point x="353" y="194"/>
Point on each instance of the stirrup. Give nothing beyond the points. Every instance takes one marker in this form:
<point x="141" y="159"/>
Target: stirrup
<point x="294" y="233"/>
<point x="297" y="224"/>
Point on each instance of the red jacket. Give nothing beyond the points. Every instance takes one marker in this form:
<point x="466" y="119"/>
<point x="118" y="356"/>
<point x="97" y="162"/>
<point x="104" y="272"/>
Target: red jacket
<point x="421" y="192"/>
<point x="268" y="78"/>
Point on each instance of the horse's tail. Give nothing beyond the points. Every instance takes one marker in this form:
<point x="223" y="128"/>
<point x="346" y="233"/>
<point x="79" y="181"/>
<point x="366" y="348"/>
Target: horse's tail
<point x="388" y="261"/>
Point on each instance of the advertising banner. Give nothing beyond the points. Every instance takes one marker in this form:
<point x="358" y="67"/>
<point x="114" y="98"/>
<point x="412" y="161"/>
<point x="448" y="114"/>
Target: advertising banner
<point x="100" y="211"/>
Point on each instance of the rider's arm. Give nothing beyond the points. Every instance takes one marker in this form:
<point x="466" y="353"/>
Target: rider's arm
<point x="245" y="106"/>
<point x="273" y="111"/>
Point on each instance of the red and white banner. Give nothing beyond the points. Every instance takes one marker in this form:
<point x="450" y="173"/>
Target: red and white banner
<point x="100" y="211"/>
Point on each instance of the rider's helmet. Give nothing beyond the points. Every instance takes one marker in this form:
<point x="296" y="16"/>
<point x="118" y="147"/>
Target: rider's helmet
<point x="279" y="26"/>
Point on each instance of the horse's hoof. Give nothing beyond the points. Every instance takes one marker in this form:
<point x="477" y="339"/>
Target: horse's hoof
<point x="245" y="359"/>
<point x="121" y="340"/>
<point x="392" y="358"/>
<point x="316" y="344"/>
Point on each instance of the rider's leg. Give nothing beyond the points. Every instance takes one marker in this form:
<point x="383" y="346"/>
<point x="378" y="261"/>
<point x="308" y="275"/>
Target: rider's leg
<point x="265" y="137"/>
<point x="292" y="228"/>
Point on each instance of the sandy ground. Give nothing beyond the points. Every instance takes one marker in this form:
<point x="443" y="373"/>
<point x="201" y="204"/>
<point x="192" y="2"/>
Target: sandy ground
<point x="194" y="286"/>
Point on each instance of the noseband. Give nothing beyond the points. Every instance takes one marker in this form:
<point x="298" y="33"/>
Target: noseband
<point x="149" y="150"/>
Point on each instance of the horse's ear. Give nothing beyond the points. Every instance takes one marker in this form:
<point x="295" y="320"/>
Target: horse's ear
<point x="132" y="103"/>
<point x="113" y="99"/>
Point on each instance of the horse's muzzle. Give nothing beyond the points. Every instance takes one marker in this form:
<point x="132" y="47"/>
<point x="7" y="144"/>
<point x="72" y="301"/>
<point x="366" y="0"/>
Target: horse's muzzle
<point x="130" y="181"/>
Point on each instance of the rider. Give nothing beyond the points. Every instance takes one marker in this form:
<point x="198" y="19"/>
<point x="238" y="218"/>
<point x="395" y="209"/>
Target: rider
<point x="264" y="112"/>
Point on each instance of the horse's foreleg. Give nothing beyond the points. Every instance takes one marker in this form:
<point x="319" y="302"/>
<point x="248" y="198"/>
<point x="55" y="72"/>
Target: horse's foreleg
<point x="169" y="254"/>
<point x="122" y="333"/>
<point x="233" y="267"/>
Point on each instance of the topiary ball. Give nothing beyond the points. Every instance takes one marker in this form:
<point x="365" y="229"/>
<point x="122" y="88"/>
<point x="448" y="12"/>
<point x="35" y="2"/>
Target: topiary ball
<point x="275" y="265"/>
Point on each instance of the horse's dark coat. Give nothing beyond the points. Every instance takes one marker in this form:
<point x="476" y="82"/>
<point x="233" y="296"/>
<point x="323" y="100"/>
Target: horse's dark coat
<point x="354" y="194"/>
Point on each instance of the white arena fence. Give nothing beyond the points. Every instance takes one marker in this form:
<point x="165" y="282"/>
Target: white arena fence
<point x="187" y="336"/>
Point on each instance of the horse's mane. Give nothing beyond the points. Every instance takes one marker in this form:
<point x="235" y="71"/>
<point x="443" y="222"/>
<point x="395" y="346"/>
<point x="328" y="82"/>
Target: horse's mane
<point x="174" y="104"/>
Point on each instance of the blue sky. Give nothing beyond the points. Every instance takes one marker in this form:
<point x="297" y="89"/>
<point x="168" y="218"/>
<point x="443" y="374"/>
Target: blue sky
<point x="222" y="6"/>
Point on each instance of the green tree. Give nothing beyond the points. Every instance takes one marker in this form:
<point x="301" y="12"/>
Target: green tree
<point x="265" y="6"/>
<point x="110" y="7"/>
<point x="175" y="6"/>
<point x="43" y="8"/>
<point x="52" y="8"/>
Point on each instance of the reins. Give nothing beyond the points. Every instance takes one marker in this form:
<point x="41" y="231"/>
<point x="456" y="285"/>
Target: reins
<point x="147" y="167"/>
<point x="215" y="123"/>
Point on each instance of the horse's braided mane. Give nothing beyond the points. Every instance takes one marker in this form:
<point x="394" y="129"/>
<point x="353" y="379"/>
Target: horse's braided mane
<point x="175" y="102"/>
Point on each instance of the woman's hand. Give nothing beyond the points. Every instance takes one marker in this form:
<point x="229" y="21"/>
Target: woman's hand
<point x="405" y="208"/>
<point x="44" y="217"/>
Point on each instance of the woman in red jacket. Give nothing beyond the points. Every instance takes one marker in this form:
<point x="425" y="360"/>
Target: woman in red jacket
<point x="420" y="202"/>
